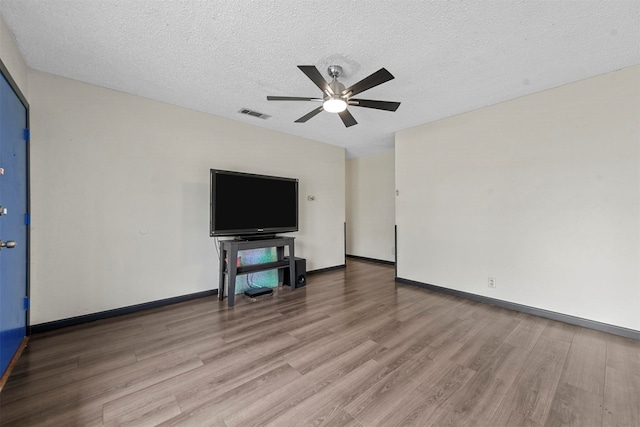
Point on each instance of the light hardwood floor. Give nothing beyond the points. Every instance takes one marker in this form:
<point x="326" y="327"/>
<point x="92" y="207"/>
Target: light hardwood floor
<point x="353" y="348"/>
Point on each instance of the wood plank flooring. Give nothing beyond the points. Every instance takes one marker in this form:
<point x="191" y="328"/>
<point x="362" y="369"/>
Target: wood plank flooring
<point x="353" y="349"/>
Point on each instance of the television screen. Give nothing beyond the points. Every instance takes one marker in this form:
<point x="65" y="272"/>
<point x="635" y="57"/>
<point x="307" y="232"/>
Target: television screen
<point x="244" y="204"/>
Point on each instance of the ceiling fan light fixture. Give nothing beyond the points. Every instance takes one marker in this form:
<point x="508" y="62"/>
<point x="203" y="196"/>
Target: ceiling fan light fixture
<point x="334" y="104"/>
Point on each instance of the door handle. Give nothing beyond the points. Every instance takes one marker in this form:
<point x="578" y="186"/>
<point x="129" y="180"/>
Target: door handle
<point x="9" y="244"/>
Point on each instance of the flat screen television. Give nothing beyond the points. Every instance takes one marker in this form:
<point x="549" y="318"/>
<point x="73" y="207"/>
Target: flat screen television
<point x="244" y="204"/>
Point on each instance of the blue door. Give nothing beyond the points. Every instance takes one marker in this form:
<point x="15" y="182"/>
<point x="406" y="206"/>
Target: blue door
<point x="13" y="222"/>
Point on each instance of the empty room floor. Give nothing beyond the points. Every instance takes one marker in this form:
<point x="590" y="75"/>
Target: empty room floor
<point x="352" y="348"/>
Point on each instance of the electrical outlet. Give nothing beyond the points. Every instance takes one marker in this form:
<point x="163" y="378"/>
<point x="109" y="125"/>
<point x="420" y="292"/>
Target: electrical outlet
<point x="492" y="282"/>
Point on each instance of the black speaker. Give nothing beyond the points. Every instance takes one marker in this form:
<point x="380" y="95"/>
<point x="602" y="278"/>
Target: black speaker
<point x="301" y="273"/>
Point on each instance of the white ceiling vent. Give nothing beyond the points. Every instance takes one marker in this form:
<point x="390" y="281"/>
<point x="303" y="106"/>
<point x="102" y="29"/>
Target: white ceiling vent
<point x="254" y="113"/>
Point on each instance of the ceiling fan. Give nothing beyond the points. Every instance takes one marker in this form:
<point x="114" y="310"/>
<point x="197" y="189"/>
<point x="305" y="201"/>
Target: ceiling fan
<point x="336" y="98"/>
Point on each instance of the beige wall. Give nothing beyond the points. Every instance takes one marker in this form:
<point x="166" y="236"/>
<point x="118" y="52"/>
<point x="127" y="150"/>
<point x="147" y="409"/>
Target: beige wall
<point x="542" y="193"/>
<point x="12" y="58"/>
<point x="371" y="206"/>
<point x="120" y="196"/>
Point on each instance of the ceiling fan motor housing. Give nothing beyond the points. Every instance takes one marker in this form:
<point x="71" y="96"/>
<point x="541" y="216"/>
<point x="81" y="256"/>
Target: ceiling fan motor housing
<point x="336" y="87"/>
<point x="337" y="102"/>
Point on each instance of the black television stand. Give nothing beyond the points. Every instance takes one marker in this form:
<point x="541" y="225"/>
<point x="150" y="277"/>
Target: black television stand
<point x="252" y="237"/>
<point x="229" y="251"/>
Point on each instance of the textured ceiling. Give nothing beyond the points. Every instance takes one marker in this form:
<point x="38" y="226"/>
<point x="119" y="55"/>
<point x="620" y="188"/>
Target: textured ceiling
<point x="220" y="56"/>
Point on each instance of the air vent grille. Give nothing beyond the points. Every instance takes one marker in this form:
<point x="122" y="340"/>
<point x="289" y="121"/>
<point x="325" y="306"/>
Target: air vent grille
<point x="252" y="113"/>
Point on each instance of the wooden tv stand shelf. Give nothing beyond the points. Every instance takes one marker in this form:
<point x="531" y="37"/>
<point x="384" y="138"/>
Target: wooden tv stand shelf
<point x="229" y="251"/>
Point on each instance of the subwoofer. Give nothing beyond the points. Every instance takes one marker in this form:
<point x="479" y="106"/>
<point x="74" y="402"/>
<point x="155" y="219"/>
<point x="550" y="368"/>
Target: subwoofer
<point x="300" y="273"/>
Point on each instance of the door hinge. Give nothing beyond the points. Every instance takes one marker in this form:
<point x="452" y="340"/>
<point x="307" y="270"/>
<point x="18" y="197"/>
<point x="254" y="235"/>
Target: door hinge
<point x="27" y="219"/>
<point x="27" y="303"/>
<point x="27" y="135"/>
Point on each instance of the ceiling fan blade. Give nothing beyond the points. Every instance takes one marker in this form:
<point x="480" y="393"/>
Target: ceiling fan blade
<point x="378" y="105"/>
<point x="309" y="115"/>
<point x="375" y="79"/>
<point x="347" y="118"/>
<point x="315" y="76"/>
<point x="291" y="98"/>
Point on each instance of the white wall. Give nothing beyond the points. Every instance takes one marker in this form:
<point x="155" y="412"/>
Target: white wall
<point x="371" y="206"/>
<point x="542" y="193"/>
<point x="120" y="196"/>
<point x="12" y="58"/>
